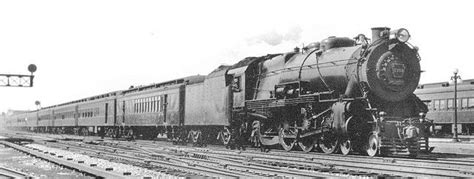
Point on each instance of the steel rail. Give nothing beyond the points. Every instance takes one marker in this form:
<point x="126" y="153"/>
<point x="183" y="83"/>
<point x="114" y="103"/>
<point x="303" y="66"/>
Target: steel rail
<point x="171" y="163"/>
<point x="348" y="164"/>
<point x="10" y="173"/>
<point x="63" y="162"/>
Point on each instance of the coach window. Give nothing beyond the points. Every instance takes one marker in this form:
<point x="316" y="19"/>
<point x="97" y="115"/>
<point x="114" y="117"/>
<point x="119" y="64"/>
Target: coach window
<point x="450" y="104"/>
<point x="156" y="104"/>
<point x="141" y="106"/>
<point x="134" y="106"/>
<point x="155" y="100"/>
<point x="458" y="103"/>
<point x="160" y="98"/>
<point x="236" y="84"/>
<point x="438" y="107"/>
<point x="138" y="105"/>
<point x="152" y="106"/>
<point x="470" y="103"/>
<point x="464" y="103"/>
<point x="145" y="105"/>
<point x="429" y="105"/>
<point x="442" y="104"/>
<point x="148" y="105"/>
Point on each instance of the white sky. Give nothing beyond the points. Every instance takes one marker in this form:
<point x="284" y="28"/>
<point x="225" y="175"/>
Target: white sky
<point x="88" y="47"/>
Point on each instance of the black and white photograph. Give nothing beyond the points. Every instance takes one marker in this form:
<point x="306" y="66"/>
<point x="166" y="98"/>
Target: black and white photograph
<point x="236" y="89"/>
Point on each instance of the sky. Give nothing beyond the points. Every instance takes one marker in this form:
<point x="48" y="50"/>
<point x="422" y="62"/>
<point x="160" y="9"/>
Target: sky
<point x="89" y="47"/>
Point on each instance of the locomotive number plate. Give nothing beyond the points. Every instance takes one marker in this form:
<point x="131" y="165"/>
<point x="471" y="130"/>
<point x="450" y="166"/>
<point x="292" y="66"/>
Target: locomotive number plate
<point x="398" y="70"/>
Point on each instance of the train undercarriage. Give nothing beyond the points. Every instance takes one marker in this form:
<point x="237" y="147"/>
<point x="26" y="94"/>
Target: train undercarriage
<point x="308" y="123"/>
<point x="345" y="126"/>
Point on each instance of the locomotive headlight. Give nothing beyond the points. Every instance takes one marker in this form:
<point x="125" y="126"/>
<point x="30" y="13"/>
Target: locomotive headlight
<point x="402" y="35"/>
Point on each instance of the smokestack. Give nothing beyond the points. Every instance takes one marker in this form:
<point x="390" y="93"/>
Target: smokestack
<point x="377" y="33"/>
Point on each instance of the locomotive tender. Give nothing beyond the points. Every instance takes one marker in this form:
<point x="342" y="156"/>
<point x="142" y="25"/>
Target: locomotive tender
<point x="340" y="93"/>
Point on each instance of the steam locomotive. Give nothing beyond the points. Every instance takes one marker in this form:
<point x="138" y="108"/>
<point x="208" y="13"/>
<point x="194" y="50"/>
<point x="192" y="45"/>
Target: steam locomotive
<point x="340" y="94"/>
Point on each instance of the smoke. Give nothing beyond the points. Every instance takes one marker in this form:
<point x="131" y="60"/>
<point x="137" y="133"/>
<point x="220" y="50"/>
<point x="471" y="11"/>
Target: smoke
<point x="293" y="34"/>
<point x="275" y="38"/>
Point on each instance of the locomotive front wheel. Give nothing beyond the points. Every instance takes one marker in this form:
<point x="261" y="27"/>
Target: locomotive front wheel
<point x="287" y="138"/>
<point x="307" y="144"/>
<point x="328" y="143"/>
<point x="372" y="147"/>
<point x="345" y="146"/>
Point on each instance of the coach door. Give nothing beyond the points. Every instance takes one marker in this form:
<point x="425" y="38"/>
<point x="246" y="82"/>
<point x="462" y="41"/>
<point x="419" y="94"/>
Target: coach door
<point x="106" y="111"/>
<point x="76" y="116"/>
<point x="123" y="111"/>
<point x="37" y="118"/>
<point x="115" y="111"/>
<point x="165" y="104"/>
<point x="53" y="121"/>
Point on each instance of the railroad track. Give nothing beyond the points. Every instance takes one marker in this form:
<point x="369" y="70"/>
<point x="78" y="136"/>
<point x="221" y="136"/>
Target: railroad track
<point x="185" y="162"/>
<point x="161" y="163"/>
<point x="379" y="166"/>
<point x="126" y="151"/>
<point x="280" y="163"/>
<point x="10" y="173"/>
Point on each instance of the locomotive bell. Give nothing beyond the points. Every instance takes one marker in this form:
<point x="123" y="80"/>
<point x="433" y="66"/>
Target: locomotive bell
<point x="312" y="46"/>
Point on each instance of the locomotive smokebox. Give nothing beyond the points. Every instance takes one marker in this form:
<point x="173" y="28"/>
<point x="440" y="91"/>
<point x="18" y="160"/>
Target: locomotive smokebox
<point x="377" y="33"/>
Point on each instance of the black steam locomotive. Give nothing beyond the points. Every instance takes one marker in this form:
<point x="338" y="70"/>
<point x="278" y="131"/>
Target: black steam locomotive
<point x="341" y="93"/>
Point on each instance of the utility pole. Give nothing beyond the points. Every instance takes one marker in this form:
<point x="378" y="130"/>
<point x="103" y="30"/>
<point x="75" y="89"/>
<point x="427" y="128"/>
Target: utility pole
<point x="16" y="80"/>
<point x="455" y="77"/>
